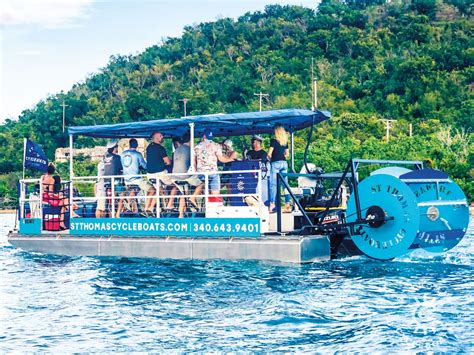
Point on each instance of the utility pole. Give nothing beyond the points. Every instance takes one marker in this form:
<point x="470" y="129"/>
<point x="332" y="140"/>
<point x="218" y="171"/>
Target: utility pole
<point x="411" y="130"/>
<point x="314" y="87"/>
<point x="64" y="115"/>
<point x="388" y="125"/>
<point x="184" y="103"/>
<point x="315" y="95"/>
<point x="261" y="96"/>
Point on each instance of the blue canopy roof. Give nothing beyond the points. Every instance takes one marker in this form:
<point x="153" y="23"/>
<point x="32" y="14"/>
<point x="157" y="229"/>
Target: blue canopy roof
<point x="234" y="124"/>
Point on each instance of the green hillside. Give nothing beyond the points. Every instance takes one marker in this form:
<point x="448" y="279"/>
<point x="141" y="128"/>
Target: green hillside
<point x="404" y="60"/>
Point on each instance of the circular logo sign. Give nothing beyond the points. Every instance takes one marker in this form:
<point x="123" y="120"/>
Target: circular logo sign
<point x="390" y="198"/>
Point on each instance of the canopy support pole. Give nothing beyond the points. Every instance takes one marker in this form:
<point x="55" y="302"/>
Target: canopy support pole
<point x="292" y="142"/>
<point x="191" y="143"/>
<point x="71" y="142"/>
<point x="71" y="174"/>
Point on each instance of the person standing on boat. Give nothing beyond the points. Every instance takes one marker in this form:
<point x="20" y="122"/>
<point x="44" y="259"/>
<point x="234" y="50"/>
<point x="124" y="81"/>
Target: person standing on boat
<point x="277" y="155"/>
<point x="100" y="191"/>
<point x="132" y="161"/>
<point x="158" y="162"/>
<point x="181" y="165"/>
<point x="47" y="180"/>
<point x="111" y="166"/>
<point x="208" y="153"/>
<point x="257" y="153"/>
<point x="157" y="158"/>
<point x="228" y="151"/>
<point x="58" y="199"/>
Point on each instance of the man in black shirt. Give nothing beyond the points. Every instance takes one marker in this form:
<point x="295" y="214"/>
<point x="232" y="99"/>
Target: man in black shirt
<point x="157" y="162"/>
<point x="156" y="156"/>
<point x="257" y="153"/>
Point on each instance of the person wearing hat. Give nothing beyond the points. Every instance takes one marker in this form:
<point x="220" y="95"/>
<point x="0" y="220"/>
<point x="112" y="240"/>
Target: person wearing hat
<point x="112" y="161"/>
<point x="110" y="165"/>
<point x="227" y="147"/>
<point x="181" y="165"/>
<point x="257" y="153"/>
<point x="207" y="154"/>
<point x="228" y="151"/>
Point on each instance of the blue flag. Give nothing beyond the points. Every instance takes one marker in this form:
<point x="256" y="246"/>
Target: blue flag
<point x="35" y="158"/>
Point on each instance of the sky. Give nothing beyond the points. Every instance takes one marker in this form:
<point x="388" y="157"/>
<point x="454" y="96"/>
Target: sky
<point x="48" y="45"/>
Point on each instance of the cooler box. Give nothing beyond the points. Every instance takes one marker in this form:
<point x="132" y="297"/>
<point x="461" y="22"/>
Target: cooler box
<point x="52" y="223"/>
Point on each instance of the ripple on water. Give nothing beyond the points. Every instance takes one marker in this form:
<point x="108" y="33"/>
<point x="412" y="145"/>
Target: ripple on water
<point x="416" y="303"/>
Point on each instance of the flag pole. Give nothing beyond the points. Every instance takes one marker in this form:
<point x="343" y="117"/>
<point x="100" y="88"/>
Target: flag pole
<point x="24" y="156"/>
<point x="22" y="193"/>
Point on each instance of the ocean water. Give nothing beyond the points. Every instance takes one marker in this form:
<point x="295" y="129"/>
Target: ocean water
<point x="84" y="304"/>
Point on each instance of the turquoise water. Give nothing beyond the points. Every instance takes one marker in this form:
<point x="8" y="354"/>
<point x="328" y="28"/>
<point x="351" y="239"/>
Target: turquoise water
<point x="417" y="303"/>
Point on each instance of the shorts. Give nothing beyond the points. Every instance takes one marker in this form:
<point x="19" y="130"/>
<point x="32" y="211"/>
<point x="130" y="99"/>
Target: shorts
<point x="163" y="177"/>
<point x="190" y="180"/>
<point x="101" y="193"/>
<point x="101" y="200"/>
<point x="214" y="182"/>
<point x="143" y="184"/>
<point x="193" y="181"/>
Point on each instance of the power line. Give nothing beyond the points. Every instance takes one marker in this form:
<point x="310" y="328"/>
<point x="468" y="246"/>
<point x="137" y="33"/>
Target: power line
<point x="314" y="87"/>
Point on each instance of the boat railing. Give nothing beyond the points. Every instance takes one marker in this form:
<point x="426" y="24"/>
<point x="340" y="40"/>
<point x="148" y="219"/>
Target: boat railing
<point x="29" y="198"/>
<point x="240" y="195"/>
<point x="49" y="205"/>
<point x="236" y="187"/>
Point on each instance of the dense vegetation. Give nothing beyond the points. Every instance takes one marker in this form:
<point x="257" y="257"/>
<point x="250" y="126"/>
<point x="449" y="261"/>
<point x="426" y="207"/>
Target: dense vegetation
<point x="404" y="60"/>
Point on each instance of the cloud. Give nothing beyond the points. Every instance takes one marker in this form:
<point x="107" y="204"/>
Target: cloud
<point x="42" y="13"/>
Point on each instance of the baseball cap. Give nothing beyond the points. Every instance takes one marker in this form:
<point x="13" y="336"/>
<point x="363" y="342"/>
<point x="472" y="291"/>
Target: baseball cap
<point x="112" y="143"/>
<point x="228" y="143"/>
<point x="208" y="133"/>
<point x="257" y="137"/>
